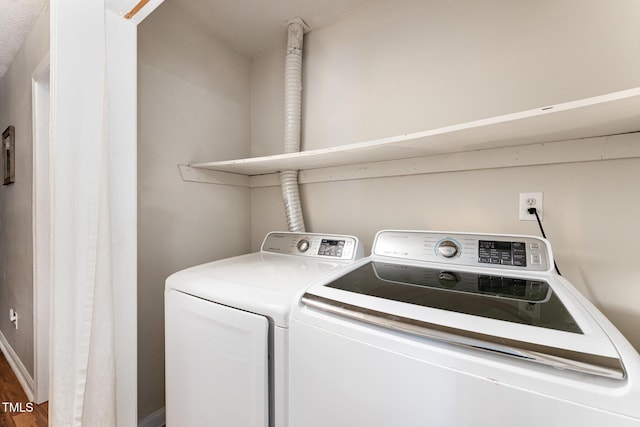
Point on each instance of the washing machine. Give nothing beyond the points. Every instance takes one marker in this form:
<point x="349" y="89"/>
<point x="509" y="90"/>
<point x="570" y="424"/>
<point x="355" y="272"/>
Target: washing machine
<point x="226" y="329"/>
<point x="457" y="330"/>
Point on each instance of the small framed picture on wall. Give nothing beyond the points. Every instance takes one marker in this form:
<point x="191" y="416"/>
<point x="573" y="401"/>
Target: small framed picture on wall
<point x="8" y="155"/>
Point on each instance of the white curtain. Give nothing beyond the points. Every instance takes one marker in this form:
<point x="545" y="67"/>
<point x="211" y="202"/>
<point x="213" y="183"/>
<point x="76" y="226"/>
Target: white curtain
<point x="82" y="383"/>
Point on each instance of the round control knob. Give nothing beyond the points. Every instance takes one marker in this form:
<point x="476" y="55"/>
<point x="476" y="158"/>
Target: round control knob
<point x="448" y="249"/>
<point x="303" y="245"/>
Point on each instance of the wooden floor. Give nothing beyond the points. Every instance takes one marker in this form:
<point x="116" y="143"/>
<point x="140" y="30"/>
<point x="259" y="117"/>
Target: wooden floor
<point x="11" y="392"/>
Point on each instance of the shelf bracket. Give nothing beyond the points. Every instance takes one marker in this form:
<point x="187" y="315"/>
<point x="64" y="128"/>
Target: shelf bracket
<point x="213" y="177"/>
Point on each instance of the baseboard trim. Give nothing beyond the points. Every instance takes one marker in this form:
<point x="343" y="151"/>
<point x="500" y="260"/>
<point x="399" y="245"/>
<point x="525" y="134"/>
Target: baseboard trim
<point x="25" y="380"/>
<point x="155" y="419"/>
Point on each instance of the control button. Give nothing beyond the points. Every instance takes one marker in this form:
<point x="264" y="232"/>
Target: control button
<point x="303" y="245"/>
<point x="519" y="260"/>
<point x="535" y="259"/>
<point x="448" y="249"/>
<point x="534" y="245"/>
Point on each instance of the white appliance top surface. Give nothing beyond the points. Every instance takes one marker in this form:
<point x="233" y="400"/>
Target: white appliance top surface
<point x="269" y="282"/>
<point x="260" y="282"/>
<point x="450" y="307"/>
<point x="409" y="280"/>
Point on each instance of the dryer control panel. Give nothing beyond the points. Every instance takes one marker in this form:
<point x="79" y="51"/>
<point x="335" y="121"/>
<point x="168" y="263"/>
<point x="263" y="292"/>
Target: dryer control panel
<point x="316" y="245"/>
<point x="500" y="251"/>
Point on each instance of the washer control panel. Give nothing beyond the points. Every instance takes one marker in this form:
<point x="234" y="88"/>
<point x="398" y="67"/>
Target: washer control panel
<point x="333" y="246"/>
<point x="469" y="249"/>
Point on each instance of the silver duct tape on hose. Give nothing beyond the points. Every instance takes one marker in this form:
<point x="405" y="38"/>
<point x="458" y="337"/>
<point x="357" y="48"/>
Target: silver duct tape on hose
<point x="293" y="113"/>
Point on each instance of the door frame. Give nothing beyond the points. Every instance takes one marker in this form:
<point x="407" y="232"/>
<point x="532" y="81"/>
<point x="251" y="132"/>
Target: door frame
<point x="41" y="202"/>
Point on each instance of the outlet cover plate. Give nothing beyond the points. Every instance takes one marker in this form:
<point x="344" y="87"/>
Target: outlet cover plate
<point x="530" y="200"/>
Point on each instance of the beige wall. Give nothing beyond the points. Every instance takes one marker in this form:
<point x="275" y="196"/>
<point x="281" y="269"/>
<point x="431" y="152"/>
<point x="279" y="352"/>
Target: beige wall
<point x="16" y="249"/>
<point x="395" y="67"/>
<point x="193" y="97"/>
<point x="402" y="66"/>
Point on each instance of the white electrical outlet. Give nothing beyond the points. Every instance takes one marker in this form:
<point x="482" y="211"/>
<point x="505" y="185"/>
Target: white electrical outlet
<point x="530" y="200"/>
<point x="13" y="317"/>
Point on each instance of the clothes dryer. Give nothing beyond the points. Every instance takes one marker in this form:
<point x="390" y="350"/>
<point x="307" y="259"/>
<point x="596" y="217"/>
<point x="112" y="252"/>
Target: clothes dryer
<point x="226" y="329"/>
<point x="457" y="330"/>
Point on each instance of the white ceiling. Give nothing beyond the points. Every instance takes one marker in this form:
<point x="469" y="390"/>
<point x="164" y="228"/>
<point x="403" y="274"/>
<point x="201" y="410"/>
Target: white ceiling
<point x="253" y="26"/>
<point x="16" y="19"/>
<point x="249" y="26"/>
